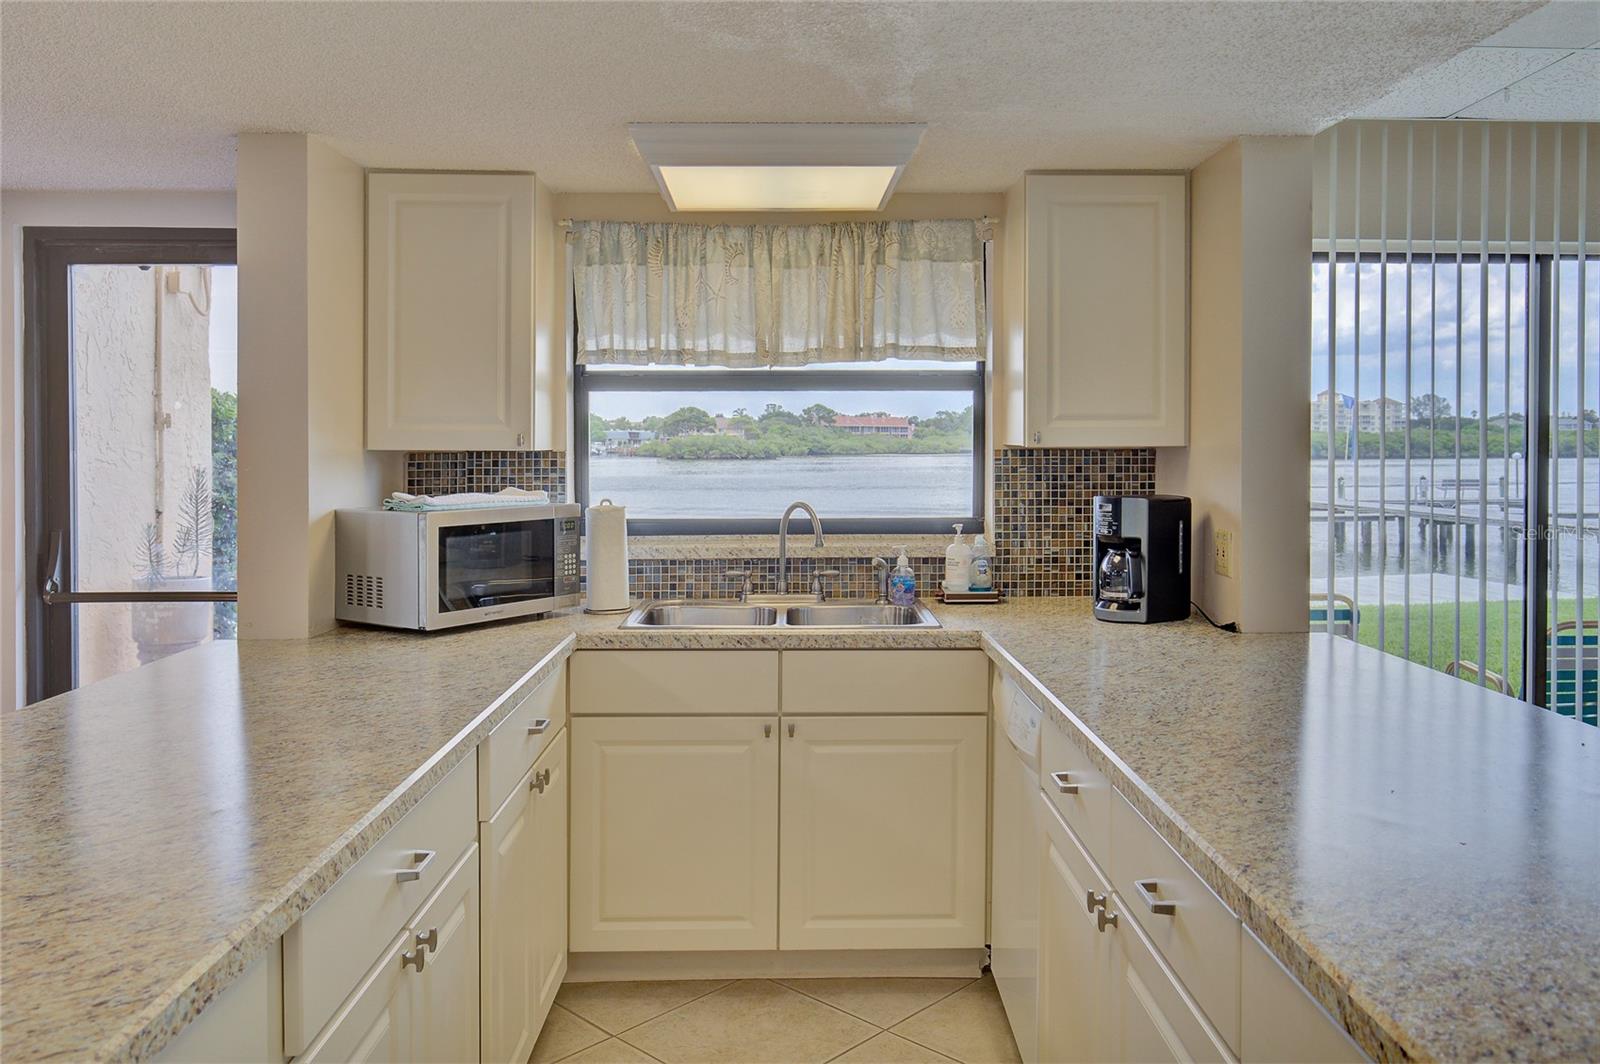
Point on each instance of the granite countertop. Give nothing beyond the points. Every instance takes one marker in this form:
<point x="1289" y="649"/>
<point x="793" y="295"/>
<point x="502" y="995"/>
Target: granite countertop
<point x="1423" y="854"/>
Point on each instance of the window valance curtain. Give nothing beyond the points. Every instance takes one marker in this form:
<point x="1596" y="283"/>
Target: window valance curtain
<point x="778" y="295"/>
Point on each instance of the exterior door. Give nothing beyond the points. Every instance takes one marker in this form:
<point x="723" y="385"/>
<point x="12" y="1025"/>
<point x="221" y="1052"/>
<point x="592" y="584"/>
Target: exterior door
<point x="674" y="833"/>
<point x="912" y="874"/>
<point x="131" y="404"/>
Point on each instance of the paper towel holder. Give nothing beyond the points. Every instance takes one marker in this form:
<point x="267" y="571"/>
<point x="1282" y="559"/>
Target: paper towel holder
<point x="622" y="556"/>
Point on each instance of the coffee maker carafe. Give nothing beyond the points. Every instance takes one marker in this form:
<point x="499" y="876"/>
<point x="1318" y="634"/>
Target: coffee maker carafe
<point x="1141" y="564"/>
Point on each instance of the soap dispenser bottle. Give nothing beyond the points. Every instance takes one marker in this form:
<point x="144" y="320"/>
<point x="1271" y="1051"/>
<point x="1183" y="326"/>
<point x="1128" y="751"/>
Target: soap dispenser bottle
<point x="982" y="567"/>
<point x="903" y="582"/>
<point x="957" y="564"/>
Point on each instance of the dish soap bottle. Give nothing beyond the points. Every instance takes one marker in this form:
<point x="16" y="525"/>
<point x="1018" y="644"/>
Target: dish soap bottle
<point x="982" y="566"/>
<point x="903" y="582"/>
<point x="957" y="564"/>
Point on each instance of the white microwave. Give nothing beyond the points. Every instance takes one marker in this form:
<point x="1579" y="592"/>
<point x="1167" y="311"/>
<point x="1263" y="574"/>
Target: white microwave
<point x="445" y="568"/>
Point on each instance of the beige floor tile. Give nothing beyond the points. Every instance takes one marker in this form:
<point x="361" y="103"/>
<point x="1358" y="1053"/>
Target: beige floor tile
<point x="891" y="1049"/>
<point x="884" y="1002"/>
<point x="563" y="1035"/>
<point x="611" y="1051"/>
<point x="615" y="1007"/>
<point x="753" y="1021"/>
<point x="969" y="1025"/>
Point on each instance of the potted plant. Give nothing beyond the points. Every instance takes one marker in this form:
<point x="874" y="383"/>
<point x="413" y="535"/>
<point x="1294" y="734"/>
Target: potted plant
<point x="162" y="628"/>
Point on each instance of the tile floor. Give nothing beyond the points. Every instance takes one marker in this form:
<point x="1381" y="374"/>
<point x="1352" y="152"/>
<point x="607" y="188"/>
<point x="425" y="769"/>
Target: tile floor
<point x="783" y="1021"/>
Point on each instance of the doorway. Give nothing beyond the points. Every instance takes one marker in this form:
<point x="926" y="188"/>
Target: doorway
<point x="130" y="460"/>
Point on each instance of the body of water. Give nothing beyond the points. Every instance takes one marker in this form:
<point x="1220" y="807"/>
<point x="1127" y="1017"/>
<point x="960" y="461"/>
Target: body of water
<point x="879" y="485"/>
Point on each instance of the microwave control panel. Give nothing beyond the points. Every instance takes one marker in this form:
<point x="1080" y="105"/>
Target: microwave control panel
<point x="566" y="543"/>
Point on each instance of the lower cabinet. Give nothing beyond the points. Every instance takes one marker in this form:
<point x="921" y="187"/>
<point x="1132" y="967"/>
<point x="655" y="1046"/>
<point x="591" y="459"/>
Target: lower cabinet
<point x="1076" y="973"/>
<point x="674" y="833"/>
<point x="883" y="832"/>
<point x="420" y="1001"/>
<point x="524" y="876"/>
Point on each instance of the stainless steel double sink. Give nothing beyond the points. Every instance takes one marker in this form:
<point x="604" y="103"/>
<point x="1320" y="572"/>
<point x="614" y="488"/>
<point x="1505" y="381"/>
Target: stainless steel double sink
<point x="776" y="612"/>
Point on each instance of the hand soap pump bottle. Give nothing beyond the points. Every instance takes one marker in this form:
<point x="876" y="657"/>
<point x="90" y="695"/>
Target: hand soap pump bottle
<point x="957" y="564"/>
<point x="903" y="582"/>
<point x="982" y="568"/>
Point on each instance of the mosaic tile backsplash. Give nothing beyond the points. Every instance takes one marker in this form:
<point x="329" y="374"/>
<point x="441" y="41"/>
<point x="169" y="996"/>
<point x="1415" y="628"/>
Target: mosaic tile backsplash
<point x="1041" y="534"/>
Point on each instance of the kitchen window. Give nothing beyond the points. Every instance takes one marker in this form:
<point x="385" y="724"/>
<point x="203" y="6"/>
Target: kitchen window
<point x="724" y="372"/>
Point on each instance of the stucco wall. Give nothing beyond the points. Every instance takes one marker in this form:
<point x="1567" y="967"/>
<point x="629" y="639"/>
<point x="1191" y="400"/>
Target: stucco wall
<point x="132" y="470"/>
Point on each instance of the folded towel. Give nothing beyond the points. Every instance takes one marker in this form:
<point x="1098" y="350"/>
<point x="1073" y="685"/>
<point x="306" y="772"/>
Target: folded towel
<point x="466" y="500"/>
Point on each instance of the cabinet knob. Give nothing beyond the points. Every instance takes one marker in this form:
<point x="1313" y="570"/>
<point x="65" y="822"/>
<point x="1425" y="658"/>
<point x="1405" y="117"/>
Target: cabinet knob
<point x="539" y="727"/>
<point x="1063" y="784"/>
<point x="541" y="780"/>
<point x="1148" y="889"/>
<point x="414" y="958"/>
<point x="791" y="729"/>
<point x="1095" y="901"/>
<point x="428" y="939"/>
<point x="420" y="859"/>
<point x="766" y="731"/>
<point x="1035" y="437"/>
<point x="1105" y="919"/>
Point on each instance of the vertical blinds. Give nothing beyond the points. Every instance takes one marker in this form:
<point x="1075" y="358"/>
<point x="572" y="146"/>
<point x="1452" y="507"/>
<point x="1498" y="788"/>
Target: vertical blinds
<point x="1456" y="380"/>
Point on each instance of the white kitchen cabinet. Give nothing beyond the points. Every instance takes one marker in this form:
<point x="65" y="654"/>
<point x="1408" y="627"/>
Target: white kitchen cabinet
<point x="1093" y="332"/>
<point x="1015" y="834"/>
<point x="244" y="1023"/>
<point x="524" y="875"/>
<point x="1077" y="977"/>
<point x="674" y="833"/>
<point x="419" y="1001"/>
<point x="1280" y="1021"/>
<point x="1156" y="1020"/>
<point x="883" y="832"/>
<point x="452" y="267"/>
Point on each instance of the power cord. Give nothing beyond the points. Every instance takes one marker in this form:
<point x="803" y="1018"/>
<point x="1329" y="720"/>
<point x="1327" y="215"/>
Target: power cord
<point x="1231" y="626"/>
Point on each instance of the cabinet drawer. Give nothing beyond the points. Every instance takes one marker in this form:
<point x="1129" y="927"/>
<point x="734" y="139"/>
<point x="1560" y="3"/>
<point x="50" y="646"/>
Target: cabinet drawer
<point x="1193" y="930"/>
<point x="885" y="681"/>
<point x="674" y="682"/>
<point x="516" y="742"/>
<point x="1076" y="788"/>
<point x="339" y="937"/>
<point x="1280" y="1021"/>
<point x="1157" y="1020"/>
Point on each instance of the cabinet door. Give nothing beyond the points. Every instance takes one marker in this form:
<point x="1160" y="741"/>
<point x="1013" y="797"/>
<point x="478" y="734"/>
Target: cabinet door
<point x="443" y="1010"/>
<point x="1075" y="956"/>
<point x="374" y="1023"/>
<point x="1106" y="350"/>
<point x="509" y="851"/>
<point x="549" y="874"/>
<point x="674" y="833"/>
<point x="450" y="260"/>
<point x="883" y="832"/>
<point x="1015" y="833"/>
<point x="1157" y="1021"/>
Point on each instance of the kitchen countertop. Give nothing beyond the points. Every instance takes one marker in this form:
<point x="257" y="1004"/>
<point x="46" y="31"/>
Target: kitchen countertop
<point x="1423" y="854"/>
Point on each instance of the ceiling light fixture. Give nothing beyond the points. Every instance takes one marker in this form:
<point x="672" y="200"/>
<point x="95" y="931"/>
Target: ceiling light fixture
<point x="783" y="166"/>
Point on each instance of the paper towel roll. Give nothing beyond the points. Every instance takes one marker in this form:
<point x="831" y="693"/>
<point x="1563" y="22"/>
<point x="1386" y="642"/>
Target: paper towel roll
<point x="606" y="530"/>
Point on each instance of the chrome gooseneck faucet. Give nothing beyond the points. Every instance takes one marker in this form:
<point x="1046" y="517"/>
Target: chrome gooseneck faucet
<point x="783" y="540"/>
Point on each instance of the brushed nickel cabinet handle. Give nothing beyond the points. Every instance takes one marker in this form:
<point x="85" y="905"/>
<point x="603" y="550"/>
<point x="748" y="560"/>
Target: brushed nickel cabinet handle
<point x="766" y="731"/>
<point x="428" y="939"/>
<point x="1147" y="889"/>
<point x="1063" y="783"/>
<point x="540" y="781"/>
<point x="539" y="727"/>
<point x="420" y="859"/>
<point x="414" y="958"/>
<point x="1105" y="919"/>
<point x="1095" y="901"/>
<point x="791" y="729"/>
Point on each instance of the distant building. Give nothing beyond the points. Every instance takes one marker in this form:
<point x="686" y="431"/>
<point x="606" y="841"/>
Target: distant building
<point x="1369" y="415"/>
<point x="624" y="439"/>
<point x="1344" y="410"/>
<point x="727" y="427"/>
<point x="875" y="426"/>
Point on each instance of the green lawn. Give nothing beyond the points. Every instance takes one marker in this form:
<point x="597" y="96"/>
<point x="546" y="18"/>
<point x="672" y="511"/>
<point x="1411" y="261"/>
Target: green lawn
<point x="1507" y="661"/>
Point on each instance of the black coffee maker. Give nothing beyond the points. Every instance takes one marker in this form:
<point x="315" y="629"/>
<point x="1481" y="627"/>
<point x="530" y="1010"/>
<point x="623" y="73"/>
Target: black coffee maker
<point x="1141" y="558"/>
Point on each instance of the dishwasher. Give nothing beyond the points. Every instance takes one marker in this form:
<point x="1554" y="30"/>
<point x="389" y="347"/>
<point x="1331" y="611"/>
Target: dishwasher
<point x="1014" y="875"/>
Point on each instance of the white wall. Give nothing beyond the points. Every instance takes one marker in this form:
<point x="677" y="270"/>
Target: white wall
<point x="1247" y="467"/>
<point x="19" y="209"/>
<point x="302" y="212"/>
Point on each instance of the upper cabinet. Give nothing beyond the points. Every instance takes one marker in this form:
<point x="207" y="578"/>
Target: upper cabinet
<point x="458" y="282"/>
<point x="1093" y="333"/>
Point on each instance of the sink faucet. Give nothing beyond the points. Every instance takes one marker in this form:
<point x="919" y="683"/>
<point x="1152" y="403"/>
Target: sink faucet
<point x="880" y="576"/>
<point x="783" y="540"/>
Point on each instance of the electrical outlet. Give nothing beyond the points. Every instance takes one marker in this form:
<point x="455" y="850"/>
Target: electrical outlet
<point x="1222" y="553"/>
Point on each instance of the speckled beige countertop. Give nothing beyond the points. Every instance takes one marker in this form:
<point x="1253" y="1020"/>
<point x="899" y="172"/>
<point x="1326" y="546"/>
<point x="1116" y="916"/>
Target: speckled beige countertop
<point x="1423" y="854"/>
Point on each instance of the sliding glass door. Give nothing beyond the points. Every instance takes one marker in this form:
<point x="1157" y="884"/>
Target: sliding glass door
<point x="131" y="390"/>
<point x="1455" y="496"/>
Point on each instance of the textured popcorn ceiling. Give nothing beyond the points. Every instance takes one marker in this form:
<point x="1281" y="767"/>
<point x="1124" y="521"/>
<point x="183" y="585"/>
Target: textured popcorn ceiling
<point x="1545" y="67"/>
<point x="113" y="95"/>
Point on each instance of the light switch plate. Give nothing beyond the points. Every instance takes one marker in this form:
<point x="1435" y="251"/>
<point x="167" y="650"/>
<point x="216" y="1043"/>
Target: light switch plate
<point x="1222" y="552"/>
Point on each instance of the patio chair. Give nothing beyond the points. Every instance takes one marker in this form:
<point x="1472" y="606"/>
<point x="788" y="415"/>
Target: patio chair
<point x="1468" y="671"/>
<point x="1346" y="617"/>
<point x="1573" y="677"/>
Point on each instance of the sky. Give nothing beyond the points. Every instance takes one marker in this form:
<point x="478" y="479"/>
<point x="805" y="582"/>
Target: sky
<point x="224" y="322"/>
<point x="1433" y="330"/>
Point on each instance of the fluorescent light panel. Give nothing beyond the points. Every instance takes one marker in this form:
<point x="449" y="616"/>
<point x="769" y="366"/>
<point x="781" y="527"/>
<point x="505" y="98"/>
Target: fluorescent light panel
<point x="736" y="166"/>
